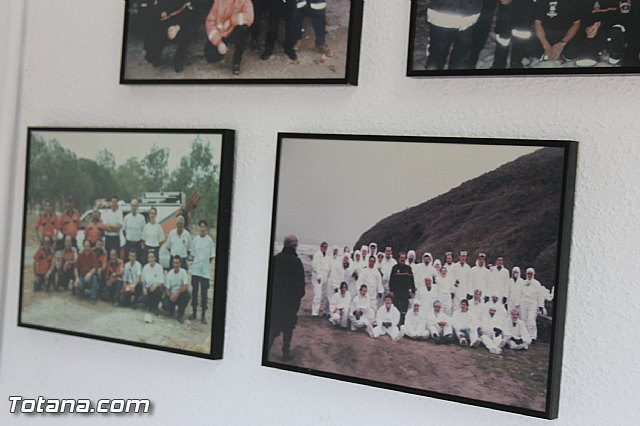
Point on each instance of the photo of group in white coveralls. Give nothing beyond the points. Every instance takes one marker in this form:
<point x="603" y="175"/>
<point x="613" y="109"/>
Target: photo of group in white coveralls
<point x="437" y="260"/>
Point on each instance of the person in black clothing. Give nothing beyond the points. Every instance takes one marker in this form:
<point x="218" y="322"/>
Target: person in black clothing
<point x="287" y="289"/>
<point x="482" y="29"/>
<point x="611" y="25"/>
<point x="167" y="21"/>
<point x="401" y="285"/>
<point x="451" y="28"/>
<point x="279" y="9"/>
<point x="514" y="29"/>
<point x="556" y="25"/>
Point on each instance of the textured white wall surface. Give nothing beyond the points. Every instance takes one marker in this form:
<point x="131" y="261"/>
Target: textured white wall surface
<point x="70" y="78"/>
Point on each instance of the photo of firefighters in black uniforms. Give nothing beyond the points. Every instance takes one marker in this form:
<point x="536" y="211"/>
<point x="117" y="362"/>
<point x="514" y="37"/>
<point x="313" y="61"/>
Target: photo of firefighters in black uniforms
<point x="524" y="34"/>
<point x="222" y="39"/>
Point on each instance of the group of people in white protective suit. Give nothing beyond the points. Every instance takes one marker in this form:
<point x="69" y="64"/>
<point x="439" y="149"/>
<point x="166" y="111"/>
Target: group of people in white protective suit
<point x="443" y="301"/>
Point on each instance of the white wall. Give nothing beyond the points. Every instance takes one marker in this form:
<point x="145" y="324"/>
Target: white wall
<point x="71" y="79"/>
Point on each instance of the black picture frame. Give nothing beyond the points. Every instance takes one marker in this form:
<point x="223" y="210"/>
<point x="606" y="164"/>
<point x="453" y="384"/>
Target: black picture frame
<point x="330" y="143"/>
<point x="351" y="60"/>
<point x="418" y="35"/>
<point x="225" y="139"/>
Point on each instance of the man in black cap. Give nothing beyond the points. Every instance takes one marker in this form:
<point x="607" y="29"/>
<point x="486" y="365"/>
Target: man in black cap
<point x="287" y="289"/>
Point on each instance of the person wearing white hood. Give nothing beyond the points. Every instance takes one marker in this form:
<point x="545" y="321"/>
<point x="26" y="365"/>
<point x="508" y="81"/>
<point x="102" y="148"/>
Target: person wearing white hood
<point x="492" y="331"/>
<point x="339" y="307"/>
<point x="337" y="273"/>
<point x="360" y="311"/>
<point x="353" y="273"/>
<point x="477" y="307"/>
<point x="439" y="324"/>
<point x="531" y="301"/>
<point x="444" y="289"/>
<point x="387" y="263"/>
<point x="465" y="326"/>
<point x="426" y="294"/>
<point x="370" y="277"/>
<point x="461" y="274"/>
<point x="424" y="269"/>
<point x="411" y="260"/>
<point x="373" y="249"/>
<point x="479" y="276"/>
<point x="387" y="320"/>
<point x="499" y="280"/>
<point x="516" y="332"/>
<point x="364" y="250"/>
<point x="514" y="293"/>
<point x="448" y="262"/>
<point x="320" y="266"/>
<point x="496" y="303"/>
<point x="415" y="323"/>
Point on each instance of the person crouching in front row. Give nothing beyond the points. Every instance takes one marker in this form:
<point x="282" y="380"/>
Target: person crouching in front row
<point x="387" y="320"/>
<point x="176" y="290"/>
<point x="339" y="306"/>
<point x="153" y="283"/>
<point x="228" y="22"/>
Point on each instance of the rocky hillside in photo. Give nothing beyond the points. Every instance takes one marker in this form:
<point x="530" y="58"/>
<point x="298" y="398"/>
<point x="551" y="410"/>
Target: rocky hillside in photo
<point x="512" y="211"/>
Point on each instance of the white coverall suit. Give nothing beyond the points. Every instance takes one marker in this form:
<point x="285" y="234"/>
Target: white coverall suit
<point x="415" y="325"/>
<point x="384" y="315"/>
<point x="465" y="325"/>
<point x="489" y="337"/>
<point x="432" y="323"/>
<point x="517" y="330"/>
<point x="363" y="304"/>
<point x="371" y="278"/>
<point x="339" y="308"/>
<point x="320" y="271"/>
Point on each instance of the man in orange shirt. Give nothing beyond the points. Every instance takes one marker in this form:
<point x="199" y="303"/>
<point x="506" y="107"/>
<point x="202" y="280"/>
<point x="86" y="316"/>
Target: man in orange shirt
<point x="115" y="271"/>
<point x="86" y="267"/>
<point x="67" y="266"/>
<point x="94" y="230"/>
<point x="44" y="263"/>
<point x="101" y="270"/>
<point x="228" y="22"/>
<point x="47" y="223"/>
<point x="70" y="221"/>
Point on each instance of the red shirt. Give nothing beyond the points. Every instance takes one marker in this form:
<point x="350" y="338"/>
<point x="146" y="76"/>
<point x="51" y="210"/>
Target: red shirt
<point x="86" y="262"/>
<point x="49" y="224"/>
<point x="67" y="257"/>
<point x="102" y="258"/>
<point x="93" y="232"/>
<point x="69" y="223"/>
<point x="43" y="260"/>
<point x="115" y="268"/>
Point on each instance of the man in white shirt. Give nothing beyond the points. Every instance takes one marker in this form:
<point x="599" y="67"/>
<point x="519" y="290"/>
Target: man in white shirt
<point x="387" y="263"/>
<point x="439" y="324"/>
<point x="152" y="283"/>
<point x="320" y="266"/>
<point x="415" y="323"/>
<point x="465" y="326"/>
<point x="132" y="227"/>
<point x="176" y="290"/>
<point x="179" y="242"/>
<point x="152" y="235"/>
<point x="337" y="272"/>
<point x="387" y="319"/>
<point x="516" y="332"/>
<point x="131" y="289"/>
<point x="360" y="311"/>
<point x="461" y="274"/>
<point x="499" y="280"/>
<point x="339" y="306"/>
<point x="112" y="220"/>
<point x="203" y="254"/>
<point x="492" y="331"/>
<point x="370" y="277"/>
<point x="479" y="276"/>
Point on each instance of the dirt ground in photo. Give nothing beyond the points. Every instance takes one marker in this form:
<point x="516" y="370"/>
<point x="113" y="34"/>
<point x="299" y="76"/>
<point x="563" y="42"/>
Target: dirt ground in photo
<point x="66" y="312"/>
<point x="517" y="378"/>
<point x="310" y="63"/>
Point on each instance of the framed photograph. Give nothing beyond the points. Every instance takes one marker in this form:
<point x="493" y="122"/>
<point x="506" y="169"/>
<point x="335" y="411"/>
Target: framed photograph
<point x="433" y="266"/>
<point x="126" y="236"/>
<point x="523" y="37"/>
<point x="241" y="41"/>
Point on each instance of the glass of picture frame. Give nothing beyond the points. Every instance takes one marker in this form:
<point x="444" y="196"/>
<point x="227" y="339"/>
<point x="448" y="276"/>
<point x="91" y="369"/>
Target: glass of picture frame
<point x="428" y="265"/>
<point x="124" y="233"/>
